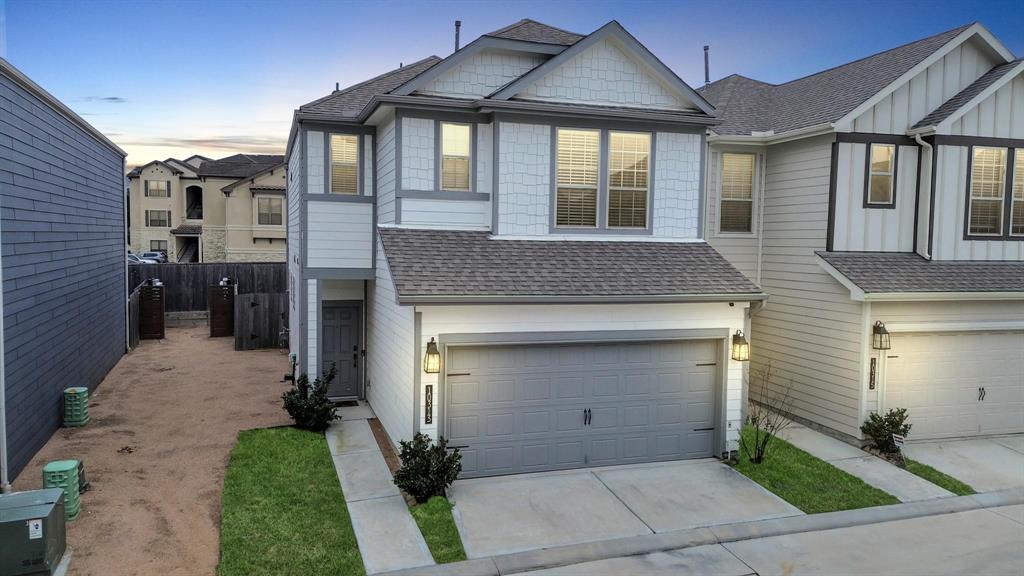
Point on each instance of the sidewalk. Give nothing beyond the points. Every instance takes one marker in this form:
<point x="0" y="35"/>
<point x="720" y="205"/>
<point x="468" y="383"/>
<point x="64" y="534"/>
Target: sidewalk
<point x="388" y="537"/>
<point x="905" y="486"/>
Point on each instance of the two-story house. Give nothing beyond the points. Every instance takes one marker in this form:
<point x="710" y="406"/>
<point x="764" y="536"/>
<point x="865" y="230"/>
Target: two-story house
<point x="505" y="247"/>
<point x="880" y="204"/>
<point x="203" y="210"/>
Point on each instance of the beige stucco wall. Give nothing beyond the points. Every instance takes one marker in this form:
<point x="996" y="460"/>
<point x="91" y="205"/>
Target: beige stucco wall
<point x="141" y="235"/>
<point x="246" y="240"/>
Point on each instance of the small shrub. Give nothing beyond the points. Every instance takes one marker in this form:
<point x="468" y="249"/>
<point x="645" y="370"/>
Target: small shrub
<point x="765" y="413"/>
<point x="427" y="467"/>
<point x="881" y="428"/>
<point x="308" y="404"/>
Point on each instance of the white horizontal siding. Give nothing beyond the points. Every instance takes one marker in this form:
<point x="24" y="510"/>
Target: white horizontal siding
<point x="810" y="331"/>
<point x="874" y="229"/>
<point x="460" y="214"/>
<point x="437" y="320"/>
<point x="340" y="235"/>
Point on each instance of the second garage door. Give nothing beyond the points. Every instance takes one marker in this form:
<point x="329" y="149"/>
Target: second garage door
<point x="958" y="384"/>
<point x="529" y="408"/>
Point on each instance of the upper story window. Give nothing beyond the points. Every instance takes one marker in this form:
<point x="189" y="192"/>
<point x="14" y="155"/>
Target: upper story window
<point x="344" y="164"/>
<point x="628" y="168"/>
<point x="270" y="211"/>
<point x="157" y="188"/>
<point x="737" y="204"/>
<point x="456" y="144"/>
<point x="881" y="181"/>
<point x="1017" y="202"/>
<point x="577" y="167"/>
<point x="158" y="218"/>
<point x="987" y="193"/>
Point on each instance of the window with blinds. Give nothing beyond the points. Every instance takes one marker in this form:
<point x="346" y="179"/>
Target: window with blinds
<point x="576" y="177"/>
<point x="1017" y="201"/>
<point x="270" y="211"/>
<point x="628" y="168"/>
<point x="456" y="141"/>
<point x="737" y="202"/>
<point x="881" y="174"/>
<point x="344" y="164"/>
<point x="156" y="188"/>
<point x="158" y="218"/>
<point x="988" y="189"/>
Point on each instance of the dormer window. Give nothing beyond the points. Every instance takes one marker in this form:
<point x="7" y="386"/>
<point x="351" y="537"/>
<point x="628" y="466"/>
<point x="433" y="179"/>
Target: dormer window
<point x="880" y="182"/>
<point x="456" y="146"/>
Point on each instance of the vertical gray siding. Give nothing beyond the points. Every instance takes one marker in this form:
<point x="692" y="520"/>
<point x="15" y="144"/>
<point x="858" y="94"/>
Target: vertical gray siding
<point x="62" y="197"/>
<point x="810" y="330"/>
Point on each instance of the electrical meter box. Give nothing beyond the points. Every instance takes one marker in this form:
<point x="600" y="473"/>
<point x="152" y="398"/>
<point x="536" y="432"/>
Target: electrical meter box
<point x="31" y="532"/>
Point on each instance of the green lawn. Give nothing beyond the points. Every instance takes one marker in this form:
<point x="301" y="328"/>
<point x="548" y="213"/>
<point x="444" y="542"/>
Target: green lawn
<point x="282" y="510"/>
<point x="434" y="518"/>
<point x="809" y="483"/>
<point x="938" y="478"/>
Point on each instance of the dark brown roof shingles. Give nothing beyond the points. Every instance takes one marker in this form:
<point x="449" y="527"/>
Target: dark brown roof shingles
<point x="467" y="263"/>
<point x="887" y="272"/>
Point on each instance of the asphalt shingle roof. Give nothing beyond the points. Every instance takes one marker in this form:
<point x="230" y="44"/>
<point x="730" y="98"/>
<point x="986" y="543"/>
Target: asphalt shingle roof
<point x="533" y="31"/>
<point x="909" y="272"/>
<point x="747" y="105"/>
<point x="977" y="87"/>
<point x="468" y="263"/>
<point x="349" y="102"/>
<point x="239" y="165"/>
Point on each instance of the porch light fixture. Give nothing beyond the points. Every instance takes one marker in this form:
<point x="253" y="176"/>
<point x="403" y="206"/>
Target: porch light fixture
<point x="432" y="360"/>
<point x="740" y="347"/>
<point x="880" y="337"/>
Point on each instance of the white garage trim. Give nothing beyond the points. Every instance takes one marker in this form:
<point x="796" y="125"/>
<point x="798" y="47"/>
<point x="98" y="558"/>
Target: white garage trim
<point x="988" y="326"/>
<point x="721" y="335"/>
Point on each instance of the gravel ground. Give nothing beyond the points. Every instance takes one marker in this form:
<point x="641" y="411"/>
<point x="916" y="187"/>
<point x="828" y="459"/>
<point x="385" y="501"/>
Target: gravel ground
<point x="163" y="423"/>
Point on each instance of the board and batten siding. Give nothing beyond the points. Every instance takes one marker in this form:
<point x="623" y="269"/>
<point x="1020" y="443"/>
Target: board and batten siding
<point x="62" y="192"/>
<point x="438" y="320"/>
<point x="294" y="247"/>
<point x="386" y="201"/>
<point x="948" y="242"/>
<point x="340" y="234"/>
<point x="860" y="229"/>
<point x="390" y="363"/>
<point x="739" y="249"/>
<point x="926" y="91"/>
<point x="810" y="331"/>
<point x="1000" y="115"/>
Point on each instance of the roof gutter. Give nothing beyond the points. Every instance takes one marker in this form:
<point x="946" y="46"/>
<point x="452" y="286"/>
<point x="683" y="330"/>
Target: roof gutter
<point x="940" y="296"/>
<point x="772" y="138"/>
<point x="575" y="299"/>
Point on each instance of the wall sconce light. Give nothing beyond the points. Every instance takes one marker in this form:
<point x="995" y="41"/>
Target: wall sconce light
<point x="880" y="337"/>
<point x="740" y="347"/>
<point x="432" y="359"/>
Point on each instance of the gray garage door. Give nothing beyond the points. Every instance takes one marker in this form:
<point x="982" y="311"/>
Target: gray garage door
<point x="529" y="408"/>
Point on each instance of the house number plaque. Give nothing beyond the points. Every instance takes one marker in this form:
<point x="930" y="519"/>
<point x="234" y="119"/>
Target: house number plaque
<point x="428" y="405"/>
<point x="871" y="375"/>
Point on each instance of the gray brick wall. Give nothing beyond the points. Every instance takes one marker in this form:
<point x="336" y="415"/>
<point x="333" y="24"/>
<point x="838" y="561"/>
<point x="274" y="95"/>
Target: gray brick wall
<point x="62" y="200"/>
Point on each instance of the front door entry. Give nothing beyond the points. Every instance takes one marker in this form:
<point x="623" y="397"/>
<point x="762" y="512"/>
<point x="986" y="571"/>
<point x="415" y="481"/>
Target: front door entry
<point x="341" y="348"/>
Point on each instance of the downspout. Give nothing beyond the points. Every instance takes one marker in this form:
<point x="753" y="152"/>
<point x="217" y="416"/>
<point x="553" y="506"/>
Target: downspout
<point x="931" y="159"/>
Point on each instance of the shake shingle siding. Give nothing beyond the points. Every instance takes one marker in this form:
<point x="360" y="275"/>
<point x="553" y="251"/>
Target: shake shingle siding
<point x="62" y="200"/>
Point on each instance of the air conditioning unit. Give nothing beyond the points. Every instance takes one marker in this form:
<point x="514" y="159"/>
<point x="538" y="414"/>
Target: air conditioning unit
<point x="31" y="532"/>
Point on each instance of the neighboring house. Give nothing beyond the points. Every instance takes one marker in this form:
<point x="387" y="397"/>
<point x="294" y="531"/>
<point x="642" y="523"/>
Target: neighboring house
<point x="63" y="264"/>
<point x="203" y="210"/>
<point x="530" y="208"/>
<point x="889" y="189"/>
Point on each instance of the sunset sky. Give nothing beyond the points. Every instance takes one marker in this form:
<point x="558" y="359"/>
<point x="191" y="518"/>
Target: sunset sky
<point x="215" y="78"/>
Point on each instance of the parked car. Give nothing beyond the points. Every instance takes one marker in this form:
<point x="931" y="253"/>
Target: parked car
<point x="157" y="256"/>
<point x="133" y="259"/>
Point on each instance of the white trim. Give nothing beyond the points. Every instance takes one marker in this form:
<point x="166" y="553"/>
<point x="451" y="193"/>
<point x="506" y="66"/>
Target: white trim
<point x="856" y="293"/>
<point x="945" y="126"/>
<point x="940" y="296"/>
<point x="974" y="326"/>
<point x="865" y="361"/>
<point x="846" y="122"/>
<point x="591" y="237"/>
<point x="773" y="138"/>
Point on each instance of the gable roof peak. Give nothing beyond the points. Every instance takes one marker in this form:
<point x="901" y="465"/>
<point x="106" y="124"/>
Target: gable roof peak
<point x="530" y="30"/>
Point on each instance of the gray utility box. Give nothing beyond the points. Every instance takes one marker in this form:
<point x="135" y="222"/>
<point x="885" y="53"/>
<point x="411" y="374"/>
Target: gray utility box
<point x="31" y="532"/>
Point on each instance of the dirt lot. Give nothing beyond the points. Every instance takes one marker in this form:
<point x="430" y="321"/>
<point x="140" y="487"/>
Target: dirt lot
<point x="163" y="423"/>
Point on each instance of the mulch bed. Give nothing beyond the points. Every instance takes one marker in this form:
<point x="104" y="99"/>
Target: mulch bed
<point x="388" y="450"/>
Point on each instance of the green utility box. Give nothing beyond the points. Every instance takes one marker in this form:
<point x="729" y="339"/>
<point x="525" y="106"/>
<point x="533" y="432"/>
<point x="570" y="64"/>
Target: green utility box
<point x="31" y="532"/>
<point x="76" y="406"/>
<point x="63" y="474"/>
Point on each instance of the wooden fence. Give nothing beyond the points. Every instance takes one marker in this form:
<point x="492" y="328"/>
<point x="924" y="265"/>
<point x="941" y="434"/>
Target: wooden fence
<point x="259" y="320"/>
<point x="186" y="284"/>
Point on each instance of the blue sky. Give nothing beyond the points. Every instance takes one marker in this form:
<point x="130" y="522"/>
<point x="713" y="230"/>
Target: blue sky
<point x="174" y="78"/>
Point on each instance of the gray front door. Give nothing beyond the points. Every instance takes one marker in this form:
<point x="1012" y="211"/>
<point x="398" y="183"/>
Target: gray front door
<point x="530" y="408"/>
<point x="341" y="348"/>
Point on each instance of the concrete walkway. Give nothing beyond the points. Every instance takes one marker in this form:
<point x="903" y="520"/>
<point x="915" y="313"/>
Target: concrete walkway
<point x="388" y="537"/>
<point x="905" y="486"/>
<point x="983" y="463"/>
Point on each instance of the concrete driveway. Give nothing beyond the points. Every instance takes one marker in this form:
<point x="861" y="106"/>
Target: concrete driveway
<point x="509" y="514"/>
<point x="985" y="464"/>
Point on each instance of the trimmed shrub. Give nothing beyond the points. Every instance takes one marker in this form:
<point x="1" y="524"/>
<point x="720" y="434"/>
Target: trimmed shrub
<point x="308" y="404"/>
<point x="881" y="428"/>
<point x="427" y="467"/>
